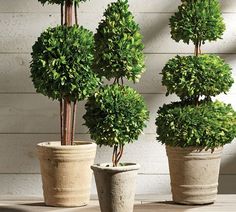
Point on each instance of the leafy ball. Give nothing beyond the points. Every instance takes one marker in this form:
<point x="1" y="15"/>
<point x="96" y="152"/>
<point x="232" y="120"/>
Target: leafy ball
<point x="59" y="1"/>
<point x="62" y="61"/>
<point x="191" y="76"/>
<point x="118" y="44"/>
<point x="211" y="124"/>
<point x="115" y="115"/>
<point x="197" y="21"/>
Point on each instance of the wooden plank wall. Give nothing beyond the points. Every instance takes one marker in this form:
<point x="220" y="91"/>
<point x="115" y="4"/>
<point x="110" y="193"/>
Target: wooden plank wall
<point x="27" y="118"/>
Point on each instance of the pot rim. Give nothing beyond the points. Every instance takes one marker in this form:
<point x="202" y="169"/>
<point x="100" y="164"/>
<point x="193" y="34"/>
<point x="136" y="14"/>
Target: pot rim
<point x="57" y="145"/>
<point x="192" y="148"/>
<point x="127" y="167"/>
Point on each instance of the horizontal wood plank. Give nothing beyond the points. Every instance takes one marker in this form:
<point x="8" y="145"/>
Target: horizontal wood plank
<point x="154" y="28"/>
<point x="146" y="151"/>
<point x="34" y="113"/>
<point x="33" y="6"/>
<point x="15" y="73"/>
<point x="30" y="184"/>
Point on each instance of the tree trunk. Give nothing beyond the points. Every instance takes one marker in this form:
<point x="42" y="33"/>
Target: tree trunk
<point x="67" y="122"/>
<point x="67" y="129"/>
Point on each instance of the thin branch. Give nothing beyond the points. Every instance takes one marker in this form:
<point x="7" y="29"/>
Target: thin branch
<point x="114" y="155"/>
<point x="122" y="81"/>
<point x="62" y="14"/>
<point x="61" y="118"/>
<point x="76" y="14"/>
<point x="73" y="121"/>
<point x="120" y="154"/>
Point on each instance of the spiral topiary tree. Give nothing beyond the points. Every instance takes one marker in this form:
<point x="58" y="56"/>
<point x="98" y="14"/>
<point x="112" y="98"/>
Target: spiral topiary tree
<point x="116" y="114"/>
<point x="61" y="66"/>
<point x="197" y="121"/>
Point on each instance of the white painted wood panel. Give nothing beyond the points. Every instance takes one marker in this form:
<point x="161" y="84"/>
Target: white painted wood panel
<point x="154" y="27"/>
<point x="151" y="6"/>
<point x="25" y="117"/>
<point x="146" y="151"/>
<point x="15" y="73"/>
<point x="34" y="113"/>
<point x="30" y="184"/>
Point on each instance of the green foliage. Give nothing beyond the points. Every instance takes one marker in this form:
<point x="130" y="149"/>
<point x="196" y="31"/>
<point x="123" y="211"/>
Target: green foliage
<point x="211" y="124"/>
<point x="61" y="64"/>
<point x="115" y="115"/>
<point x="191" y="76"/>
<point x="118" y="44"/>
<point x="59" y="1"/>
<point x="197" y="21"/>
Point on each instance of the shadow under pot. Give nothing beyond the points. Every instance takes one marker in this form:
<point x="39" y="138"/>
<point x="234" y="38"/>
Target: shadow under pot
<point x="66" y="173"/>
<point x="116" y="186"/>
<point x="194" y="174"/>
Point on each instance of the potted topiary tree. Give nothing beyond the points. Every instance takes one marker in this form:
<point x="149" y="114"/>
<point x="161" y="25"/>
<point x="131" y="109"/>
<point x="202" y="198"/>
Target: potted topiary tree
<point x="61" y="69"/>
<point x="116" y="114"/>
<point x="195" y="129"/>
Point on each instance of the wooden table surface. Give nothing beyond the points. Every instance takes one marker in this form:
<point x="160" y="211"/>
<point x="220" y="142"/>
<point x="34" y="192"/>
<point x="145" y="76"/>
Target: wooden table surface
<point x="146" y="203"/>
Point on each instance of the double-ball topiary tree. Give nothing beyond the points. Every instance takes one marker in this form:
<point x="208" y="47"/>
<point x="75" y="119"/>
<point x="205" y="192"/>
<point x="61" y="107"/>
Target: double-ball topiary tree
<point x="116" y="114"/>
<point x="197" y="121"/>
<point x="61" y="67"/>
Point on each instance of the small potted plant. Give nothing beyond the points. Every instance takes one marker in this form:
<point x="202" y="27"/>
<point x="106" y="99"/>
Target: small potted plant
<point x="195" y="129"/>
<point x="116" y="114"/>
<point x="61" y="69"/>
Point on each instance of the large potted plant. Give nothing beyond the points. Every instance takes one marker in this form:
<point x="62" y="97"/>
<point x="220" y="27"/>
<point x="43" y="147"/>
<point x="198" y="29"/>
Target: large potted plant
<point x="116" y="114"/>
<point x="61" y="69"/>
<point x="195" y="129"/>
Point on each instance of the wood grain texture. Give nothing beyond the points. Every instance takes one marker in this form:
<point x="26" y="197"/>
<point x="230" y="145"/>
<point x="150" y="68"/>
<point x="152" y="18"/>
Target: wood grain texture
<point x="15" y="73"/>
<point x="30" y="184"/>
<point x="151" y="6"/>
<point x="34" y="113"/>
<point x="154" y="27"/>
<point x="27" y="118"/>
<point x="146" y="151"/>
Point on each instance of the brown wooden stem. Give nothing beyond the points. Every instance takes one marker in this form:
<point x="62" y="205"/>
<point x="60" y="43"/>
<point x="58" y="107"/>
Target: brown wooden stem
<point x="114" y="155"/>
<point x="67" y="122"/>
<point x="61" y="119"/>
<point x="68" y="12"/>
<point x="73" y="121"/>
<point x="76" y="14"/>
<point x="117" y="154"/>
<point x="62" y="14"/>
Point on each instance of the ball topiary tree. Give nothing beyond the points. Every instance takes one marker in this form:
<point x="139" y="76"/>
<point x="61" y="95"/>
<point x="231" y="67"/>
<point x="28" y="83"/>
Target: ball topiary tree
<point x="197" y="121"/>
<point x="116" y="114"/>
<point x="61" y="66"/>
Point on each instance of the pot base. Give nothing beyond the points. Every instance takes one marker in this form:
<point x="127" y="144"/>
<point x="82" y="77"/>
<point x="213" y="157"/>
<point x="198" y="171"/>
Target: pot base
<point x="194" y="174"/>
<point x="66" y="174"/>
<point x="116" y="187"/>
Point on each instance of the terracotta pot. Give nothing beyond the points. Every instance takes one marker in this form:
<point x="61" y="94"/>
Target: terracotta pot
<point x="116" y="186"/>
<point x="194" y="174"/>
<point x="66" y="173"/>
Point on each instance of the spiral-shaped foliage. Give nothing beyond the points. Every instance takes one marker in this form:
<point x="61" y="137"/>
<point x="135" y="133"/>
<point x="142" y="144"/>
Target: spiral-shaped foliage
<point x="118" y="44"/>
<point x="197" y="21"/>
<point x="115" y="115"/>
<point x="211" y="124"/>
<point x="61" y="64"/>
<point x="191" y="76"/>
<point x="59" y="1"/>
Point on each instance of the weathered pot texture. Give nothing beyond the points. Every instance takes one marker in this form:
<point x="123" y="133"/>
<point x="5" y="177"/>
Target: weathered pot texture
<point x="116" y="186"/>
<point x="194" y="174"/>
<point x="66" y="173"/>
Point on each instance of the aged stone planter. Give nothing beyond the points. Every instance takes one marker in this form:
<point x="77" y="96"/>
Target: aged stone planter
<point x="116" y="186"/>
<point x="194" y="174"/>
<point x="66" y="173"/>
